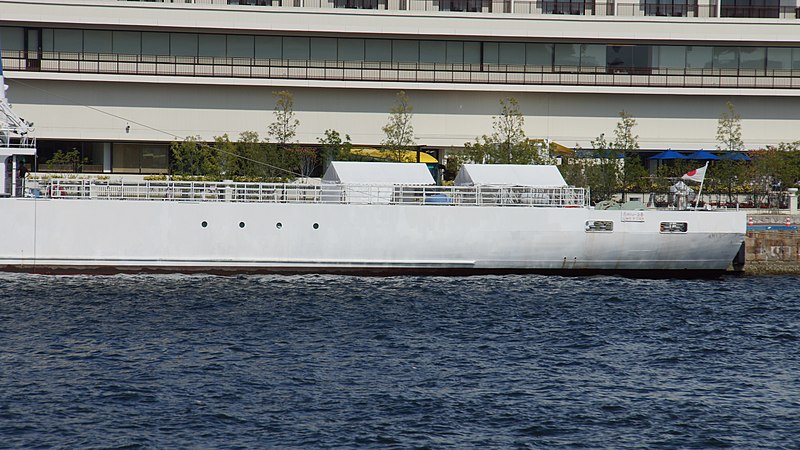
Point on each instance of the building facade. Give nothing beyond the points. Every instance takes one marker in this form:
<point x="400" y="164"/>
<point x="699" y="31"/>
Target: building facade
<point x="118" y="80"/>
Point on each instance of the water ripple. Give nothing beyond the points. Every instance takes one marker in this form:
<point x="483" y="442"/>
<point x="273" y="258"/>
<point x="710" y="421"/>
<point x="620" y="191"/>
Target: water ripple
<point x="175" y="361"/>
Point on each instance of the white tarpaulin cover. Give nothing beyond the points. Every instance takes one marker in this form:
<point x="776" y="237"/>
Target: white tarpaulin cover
<point x="370" y="182"/>
<point x="357" y="172"/>
<point x="509" y="175"/>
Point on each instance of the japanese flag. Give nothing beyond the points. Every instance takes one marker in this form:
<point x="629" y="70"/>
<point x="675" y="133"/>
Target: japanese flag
<point x="696" y="174"/>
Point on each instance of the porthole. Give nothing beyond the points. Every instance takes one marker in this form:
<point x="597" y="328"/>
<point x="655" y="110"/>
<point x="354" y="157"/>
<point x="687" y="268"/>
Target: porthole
<point x="674" y="227"/>
<point x="316" y="226"/>
<point x="279" y="225"/>
<point x="593" y="226"/>
<point x="204" y="224"/>
<point x="241" y="224"/>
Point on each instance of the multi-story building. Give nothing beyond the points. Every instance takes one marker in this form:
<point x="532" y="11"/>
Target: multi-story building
<point x="119" y="80"/>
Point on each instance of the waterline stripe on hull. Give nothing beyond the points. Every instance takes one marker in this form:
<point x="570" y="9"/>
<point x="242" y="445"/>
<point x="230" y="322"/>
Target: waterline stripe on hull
<point x="568" y="263"/>
<point x="354" y="271"/>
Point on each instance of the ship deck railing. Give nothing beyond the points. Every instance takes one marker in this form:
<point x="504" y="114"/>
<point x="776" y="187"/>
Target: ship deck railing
<point x="10" y="141"/>
<point x="367" y="194"/>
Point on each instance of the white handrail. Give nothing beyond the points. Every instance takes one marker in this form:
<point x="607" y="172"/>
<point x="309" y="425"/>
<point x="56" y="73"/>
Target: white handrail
<point x="372" y="194"/>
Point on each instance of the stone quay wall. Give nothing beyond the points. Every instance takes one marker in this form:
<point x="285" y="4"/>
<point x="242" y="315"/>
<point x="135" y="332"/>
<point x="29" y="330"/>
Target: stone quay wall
<point x="772" y="244"/>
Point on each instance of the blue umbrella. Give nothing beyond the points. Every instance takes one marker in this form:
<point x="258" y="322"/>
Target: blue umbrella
<point x="703" y="155"/>
<point x="735" y="156"/>
<point x="669" y="154"/>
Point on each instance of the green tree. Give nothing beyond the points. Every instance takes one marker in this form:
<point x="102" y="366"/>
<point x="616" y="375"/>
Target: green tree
<point x="726" y="177"/>
<point x="251" y="156"/>
<point x="284" y="129"/>
<point x="729" y="130"/>
<point x="229" y="161"/>
<point x="72" y="159"/>
<point x="305" y="158"/>
<point x="633" y="173"/>
<point x="774" y="169"/>
<point x="453" y="163"/>
<point x="508" y="143"/>
<point x="334" y="148"/>
<point x="511" y="144"/>
<point x="602" y="173"/>
<point x="789" y="170"/>
<point x="194" y="157"/>
<point x="399" y="131"/>
<point x="573" y="169"/>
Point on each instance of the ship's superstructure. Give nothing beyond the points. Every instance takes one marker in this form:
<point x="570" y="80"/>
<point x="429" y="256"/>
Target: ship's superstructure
<point x="117" y="81"/>
<point x="16" y="143"/>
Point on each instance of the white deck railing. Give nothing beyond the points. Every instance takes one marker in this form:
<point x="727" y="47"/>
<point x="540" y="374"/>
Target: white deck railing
<point x="70" y="189"/>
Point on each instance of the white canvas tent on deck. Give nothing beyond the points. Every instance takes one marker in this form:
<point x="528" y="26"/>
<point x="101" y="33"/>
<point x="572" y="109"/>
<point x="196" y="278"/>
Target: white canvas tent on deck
<point x="509" y="175"/>
<point x="371" y="182"/>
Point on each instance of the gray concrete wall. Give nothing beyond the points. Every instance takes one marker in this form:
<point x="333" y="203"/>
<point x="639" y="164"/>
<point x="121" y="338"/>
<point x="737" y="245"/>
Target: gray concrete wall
<point x="160" y="109"/>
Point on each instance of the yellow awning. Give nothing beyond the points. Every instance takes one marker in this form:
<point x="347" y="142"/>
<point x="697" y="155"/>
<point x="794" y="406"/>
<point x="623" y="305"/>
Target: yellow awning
<point x="562" y="149"/>
<point x="558" y="149"/>
<point x="408" y="155"/>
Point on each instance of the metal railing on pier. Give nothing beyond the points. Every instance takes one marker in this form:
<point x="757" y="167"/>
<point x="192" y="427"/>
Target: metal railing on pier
<point x="190" y="191"/>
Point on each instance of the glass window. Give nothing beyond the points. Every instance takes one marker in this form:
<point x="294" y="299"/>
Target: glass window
<point x="665" y="8"/>
<point x="751" y="8"/>
<point x="472" y="52"/>
<point x="539" y="54"/>
<point x="155" y="158"/>
<point x="593" y="55"/>
<point x="127" y="42"/>
<point x="323" y="49"/>
<point x="94" y="155"/>
<point x="47" y="40"/>
<point x="698" y="57"/>
<point x="405" y="51"/>
<point x="455" y="52"/>
<point x="574" y="7"/>
<point x="619" y="56"/>
<point x="511" y="53"/>
<point x="490" y="50"/>
<point x="643" y="56"/>
<point x="351" y="49"/>
<point x="378" y="50"/>
<point x="139" y="158"/>
<point x="726" y="57"/>
<point x="212" y="45"/>
<point x="432" y="51"/>
<point x="155" y="43"/>
<point x="12" y="38"/>
<point x="67" y="40"/>
<point x="752" y="57"/>
<point x="269" y="47"/>
<point x="669" y="56"/>
<point x="183" y="44"/>
<point x="779" y="58"/>
<point x="566" y="54"/>
<point x="95" y="41"/>
<point x="796" y="58"/>
<point x="295" y="48"/>
<point x="125" y="158"/>
<point x="239" y="46"/>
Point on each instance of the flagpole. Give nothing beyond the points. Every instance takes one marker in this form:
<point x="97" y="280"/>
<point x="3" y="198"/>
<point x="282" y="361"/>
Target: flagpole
<point x="700" y="191"/>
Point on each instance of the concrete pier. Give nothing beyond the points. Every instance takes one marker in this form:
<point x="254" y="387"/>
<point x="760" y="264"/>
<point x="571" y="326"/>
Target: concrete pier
<point x="772" y="245"/>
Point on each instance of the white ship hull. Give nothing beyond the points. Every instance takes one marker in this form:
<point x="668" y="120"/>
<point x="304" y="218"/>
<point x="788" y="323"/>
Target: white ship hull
<point x="51" y="235"/>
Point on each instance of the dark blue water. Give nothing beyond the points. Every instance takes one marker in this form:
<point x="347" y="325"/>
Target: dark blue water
<point x="344" y="362"/>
